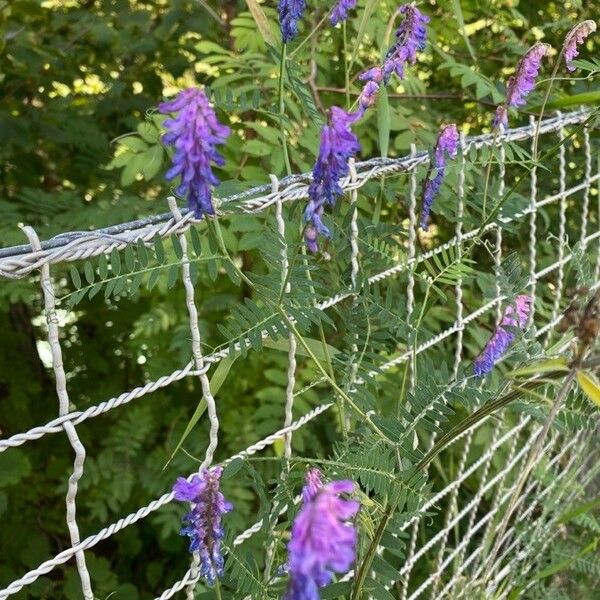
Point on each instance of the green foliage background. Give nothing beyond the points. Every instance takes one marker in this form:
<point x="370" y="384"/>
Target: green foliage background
<point x="80" y="148"/>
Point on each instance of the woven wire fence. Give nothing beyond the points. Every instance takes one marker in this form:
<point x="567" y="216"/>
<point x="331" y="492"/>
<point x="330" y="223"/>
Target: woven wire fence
<point x="456" y="559"/>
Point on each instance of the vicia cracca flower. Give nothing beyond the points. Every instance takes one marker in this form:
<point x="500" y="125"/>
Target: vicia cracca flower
<point x="514" y="317"/>
<point x="410" y="38"/>
<point x="194" y="134"/>
<point x="340" y="11"/>
<point x="313" y="483"/>
<point x="323" y="541"/>
<point x="338" y="145"/>
<point x="290" y="12"/>
<point x="445" y="147"/>
<point x="368" y="96"/>
<point x="574" y="38"/>
<point x="203" y="522"/>
<point x="522" y="82"/>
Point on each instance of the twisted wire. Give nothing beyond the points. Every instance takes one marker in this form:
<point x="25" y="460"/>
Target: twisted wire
<point x="18" y="261"/>
<point x="532" y="221"/>
<point x="63" y="400"/>
<point x="585" y="209"/>
<point x="199" y="363"/>
<point x="562" y="220"/>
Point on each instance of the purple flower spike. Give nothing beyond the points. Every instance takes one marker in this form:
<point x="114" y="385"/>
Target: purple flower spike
<point x="313" y="483"/>
<point x="368" y="96"/>
<point x="338" y="145"/>
<point x="574" y="38"/>
<point x="522" y="82"/>
<point x="194" y="134"/>
<point x="340" y="11"/>
<point x="514" y="316"/>
<point x="373" y="74"/>
<point x="323" y="541"/>
<point x="290" y="12"/>
<point x="203" y="522"/>
<point x="410" y="38"/>
<point x="445" y="147"/>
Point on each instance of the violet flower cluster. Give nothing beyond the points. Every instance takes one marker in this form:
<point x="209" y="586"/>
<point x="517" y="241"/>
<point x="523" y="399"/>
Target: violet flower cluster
<point x="368" y="96"/>
<point x="338" y="145"/>
<point x="313" y="483"/>
<point x="514" y="317"/>
<point x="203" y="522"/>
<point x="445" y="147"/>
<point x="340" y="11"/>
<point x="410" y="38"/>
<point x="574" y="38"/>
<point x="290" y="12"/>
<point x="323" y="540"/>
<point x="194" y="134"/>
<point x="522" y="82"/>
<point x="338" y="142"/>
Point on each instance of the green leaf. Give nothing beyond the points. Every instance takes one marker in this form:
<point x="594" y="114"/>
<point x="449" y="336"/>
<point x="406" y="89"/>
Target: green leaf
<point x="159" y="249"/>
<point x="580" y="510"/>
<point x="563" y="564"/>
<point x="115" y="261"/>
<point x="132" y="170"/>
<point x="196" y="241"/>
<point x="262" y="23"/>
<point x="75" y="277"/>
<point x="133" y="142"/>
<point x="152" y="161"/>
<point x="461" y="25"/>
<point x="545" y="366"/>
<point x="173" y="275"/>
<point x="177" y="246"/>
<point x="216" y="381"/>
<point x="336" y="590"/>
<point x="129" y="258"/>
<point x="149" y="132"/>
<point x="366" y="17"/>
<point x="232" y="468"/>
<point x="591" y="98"/>
<point x="200" y="409"/>
<point x="257" y="148"/>
<point x="103" y="266"/>
<point x="153" y="279"/>
<point x="590" y="386"/>
<point x="142" y="253"/>
<point x="94" y="289"/>
<point x="220" y="375"/>
<point x="88" y="271"/>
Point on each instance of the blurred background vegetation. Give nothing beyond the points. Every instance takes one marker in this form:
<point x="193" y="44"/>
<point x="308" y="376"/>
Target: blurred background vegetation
<point x="79" y="148"/>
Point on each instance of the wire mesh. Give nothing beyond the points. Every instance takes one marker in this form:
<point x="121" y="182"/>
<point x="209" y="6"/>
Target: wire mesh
<point x="457" y="562"/>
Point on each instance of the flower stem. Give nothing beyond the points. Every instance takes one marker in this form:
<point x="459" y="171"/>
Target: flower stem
<point x="346" y="68"/>
<point x="286" y="157"/>
<point x="371" y="551"/>
<point x="546" y="96"/>
<point x="488" y="173"/>
<point x="309" y="36"/>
